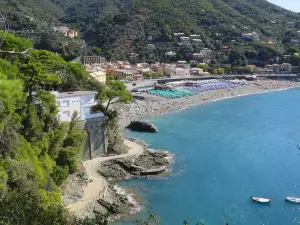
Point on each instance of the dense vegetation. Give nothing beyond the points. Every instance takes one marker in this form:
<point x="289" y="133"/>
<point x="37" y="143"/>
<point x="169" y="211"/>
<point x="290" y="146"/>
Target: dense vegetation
<point x="119" y="27"/>
<point x="37" y="152"/>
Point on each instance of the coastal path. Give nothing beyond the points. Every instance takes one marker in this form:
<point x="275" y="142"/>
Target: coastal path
<point x="97" y="188"/>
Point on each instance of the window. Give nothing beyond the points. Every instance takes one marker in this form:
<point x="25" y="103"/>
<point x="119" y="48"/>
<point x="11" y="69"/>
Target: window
<point x="58" y="103"/>
<point x="66" y="113"/>
<point x="65" y="103"/>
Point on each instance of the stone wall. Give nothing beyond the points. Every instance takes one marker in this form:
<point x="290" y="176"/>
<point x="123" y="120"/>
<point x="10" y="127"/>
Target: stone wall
<point x="97" y="138"/>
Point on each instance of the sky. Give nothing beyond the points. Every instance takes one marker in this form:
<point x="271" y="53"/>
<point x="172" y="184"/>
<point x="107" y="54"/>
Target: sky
<point x="293" y="5"/>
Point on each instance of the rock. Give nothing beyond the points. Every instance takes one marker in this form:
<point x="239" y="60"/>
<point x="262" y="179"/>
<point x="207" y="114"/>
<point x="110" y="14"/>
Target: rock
<point x="120" y="169"/>
<point x="150" y="159"/>
<point x="72" y="191"/>
<point x="142" y="126"/>
<point x="113" y="170"/>
<point x="99" y="209"/>
<point x="120" y="206"/>
<point x="156" y="153"/>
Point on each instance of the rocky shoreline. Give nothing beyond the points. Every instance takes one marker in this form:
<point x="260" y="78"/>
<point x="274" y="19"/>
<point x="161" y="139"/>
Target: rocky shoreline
<point x="123" y="204"/>
<point x="114" y="201"/>
<point x="147" y="164"/>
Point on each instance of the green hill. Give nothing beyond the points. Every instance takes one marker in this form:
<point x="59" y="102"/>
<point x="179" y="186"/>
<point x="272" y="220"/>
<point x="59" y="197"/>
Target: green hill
<point x="30" y="14"/>
<point x="146" y="27"/>
<point x="129" y="26"/>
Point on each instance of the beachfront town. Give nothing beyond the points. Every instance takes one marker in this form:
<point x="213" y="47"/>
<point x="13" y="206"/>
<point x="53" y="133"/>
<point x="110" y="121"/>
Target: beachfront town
<point x="102" y="70"/>
<point x="175" y="79"/>
<point x="202" y="61"/>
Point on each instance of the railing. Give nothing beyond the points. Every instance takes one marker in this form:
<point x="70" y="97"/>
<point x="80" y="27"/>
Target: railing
<point x="94" y="115"/>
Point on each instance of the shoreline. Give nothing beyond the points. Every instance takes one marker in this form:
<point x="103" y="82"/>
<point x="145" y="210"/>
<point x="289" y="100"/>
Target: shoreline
<point x="145" y="110"/>
<point x="99" y="194"/>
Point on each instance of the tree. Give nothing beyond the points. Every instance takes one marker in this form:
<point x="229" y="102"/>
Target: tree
<point x="292" y="50"/>
<point x="11" y="93"/>
<point x="220" y="71"/>
<point x="203" y="66"/>
<point x="116" y="90"/>
<point x="11" y="42"/>
<point x="9" y="70"/>
<point x="96" y="50"/>
<point x="72" y="146"/>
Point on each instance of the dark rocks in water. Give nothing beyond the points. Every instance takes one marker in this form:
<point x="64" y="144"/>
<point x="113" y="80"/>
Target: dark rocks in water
<point x="119" y="169"/>
<point x="151" y="159"/>
<point x="115" y="169"/>
<point x="118" y="206"/>
<point x="142" y="126"/>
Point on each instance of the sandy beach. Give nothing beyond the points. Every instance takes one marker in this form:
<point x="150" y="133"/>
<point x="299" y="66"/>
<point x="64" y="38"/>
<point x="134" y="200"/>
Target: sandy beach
<point x="155" y="105"/>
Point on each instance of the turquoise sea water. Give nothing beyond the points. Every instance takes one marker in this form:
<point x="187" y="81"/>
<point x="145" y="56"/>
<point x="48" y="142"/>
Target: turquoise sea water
<point x="225" y="152"/>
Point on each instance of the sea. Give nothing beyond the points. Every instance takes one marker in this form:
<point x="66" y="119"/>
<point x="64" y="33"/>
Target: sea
<point x="224" y="153"/>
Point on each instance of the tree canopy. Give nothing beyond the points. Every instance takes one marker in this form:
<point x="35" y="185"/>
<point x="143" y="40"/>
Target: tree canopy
<point x="37" y="151"/>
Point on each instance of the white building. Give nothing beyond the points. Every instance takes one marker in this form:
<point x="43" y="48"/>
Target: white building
<point x="80" y="101"/>
<point x="250" y="36"/>
<point x="185" y="40"/>
<point x="66" y="31"/>
<point x="177" y="72"/>
<point x="170" y="53"/>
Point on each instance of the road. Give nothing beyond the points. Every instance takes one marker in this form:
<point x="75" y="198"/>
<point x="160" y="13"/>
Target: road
<point x="98" y="187"/>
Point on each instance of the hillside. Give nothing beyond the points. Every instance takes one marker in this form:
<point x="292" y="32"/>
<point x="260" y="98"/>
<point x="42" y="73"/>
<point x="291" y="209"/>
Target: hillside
<point x="146" y="27"/>
<point x="30" y="14"/>
<point x="129" y="26"/>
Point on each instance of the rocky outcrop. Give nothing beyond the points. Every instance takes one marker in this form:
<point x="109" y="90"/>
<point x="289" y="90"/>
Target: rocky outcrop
<point x="142" y="126"/>
<point x="72" y="191"/>
<point x="149" y="163"/>
<point x="116" y="205"/>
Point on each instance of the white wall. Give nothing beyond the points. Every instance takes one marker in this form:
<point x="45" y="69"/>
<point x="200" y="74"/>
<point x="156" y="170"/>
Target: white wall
<point x="88" y="99"/>
<point x="82" y="104"/>
<point x="67" y="106"/>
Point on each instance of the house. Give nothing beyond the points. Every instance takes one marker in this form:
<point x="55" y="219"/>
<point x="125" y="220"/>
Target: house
<point x="196" y="40"/>
<point x="185" y="40"/>
<point x="125" y="74"/>
<point x="178" y="34"/>
<point x="66" y="31"/>
<point x="176" y="72"/>
<point x="158" y="68"/>
<point x="151" y="46"/>
<point x="181" y="64"/>
<point x="205" y="55"/>
<point x="72" y="33"/>
<point x="195" y="36"/>
<point x="275" y="68"/>
<point x="226" y="49"/>
<point x="196" y="71"/>
<point x="250" y="36"/>
<point x="170" y="53"/>
<point x="133" y="56"/>
<point x="80" y="101"/>
<point x="286" y="68"/>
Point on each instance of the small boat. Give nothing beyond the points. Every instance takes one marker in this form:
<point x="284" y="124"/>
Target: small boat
<point x="293" y="199"/>
<point x="261" y="200"/>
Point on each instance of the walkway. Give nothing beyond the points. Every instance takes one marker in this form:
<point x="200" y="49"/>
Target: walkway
<point x="98" y="187"/>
